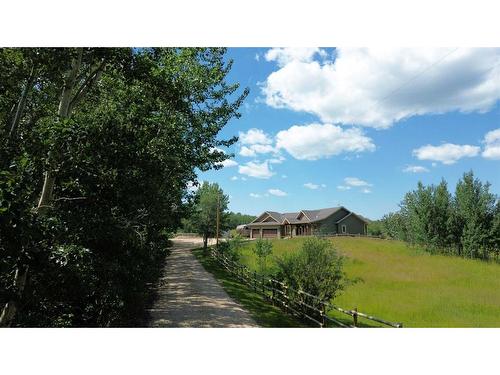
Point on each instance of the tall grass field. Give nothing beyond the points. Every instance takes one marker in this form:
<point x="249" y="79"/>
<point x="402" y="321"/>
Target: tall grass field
<point x="404" y="284"/>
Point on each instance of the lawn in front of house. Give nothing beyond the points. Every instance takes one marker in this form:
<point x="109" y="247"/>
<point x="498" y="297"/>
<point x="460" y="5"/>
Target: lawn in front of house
<point x="405" y="284"/>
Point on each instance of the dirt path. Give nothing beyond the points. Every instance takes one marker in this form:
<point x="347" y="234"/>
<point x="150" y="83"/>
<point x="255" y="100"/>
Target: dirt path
<point x="189" y="296"/>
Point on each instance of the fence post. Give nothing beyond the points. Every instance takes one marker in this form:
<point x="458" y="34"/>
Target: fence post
<point x="355" y="316"/>
<point x="323" y="313"/>
<point x="272" y="292"/>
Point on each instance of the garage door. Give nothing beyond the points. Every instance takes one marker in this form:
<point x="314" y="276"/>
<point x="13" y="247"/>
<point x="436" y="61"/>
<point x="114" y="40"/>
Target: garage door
<point x="255" y="233"/>
<point x="269" y="233"/>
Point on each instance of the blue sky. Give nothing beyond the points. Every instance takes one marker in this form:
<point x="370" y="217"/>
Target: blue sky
<point x="359" y="127"/>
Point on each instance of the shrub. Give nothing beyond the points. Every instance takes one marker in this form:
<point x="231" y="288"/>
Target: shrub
<point x="231" y="248"/>
<point x="263" y="248"/>
<point x="316" y="269"/>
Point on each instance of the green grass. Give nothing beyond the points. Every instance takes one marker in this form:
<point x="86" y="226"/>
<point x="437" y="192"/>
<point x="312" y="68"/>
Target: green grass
<point x="264" y="313"/>
<point x="405" y="284"/>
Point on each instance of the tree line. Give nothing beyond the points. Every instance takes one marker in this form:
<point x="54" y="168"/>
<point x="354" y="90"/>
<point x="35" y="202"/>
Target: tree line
<point x="465" y="223"/>
<point x="202" y="217"/>
<point x="97" y="149"/>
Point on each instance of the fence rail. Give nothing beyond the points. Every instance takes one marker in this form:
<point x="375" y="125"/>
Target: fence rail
<point x="295" y="302"/>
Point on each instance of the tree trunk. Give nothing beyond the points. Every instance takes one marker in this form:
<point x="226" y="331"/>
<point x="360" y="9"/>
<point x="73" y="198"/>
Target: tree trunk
<point x="10" y="308"/>
<point x="22" y="103"/>
<point x="205" y="241"/>
<point x="63" y="112"/>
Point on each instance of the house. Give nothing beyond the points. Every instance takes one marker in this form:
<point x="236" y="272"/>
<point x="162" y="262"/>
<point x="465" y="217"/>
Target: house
<point x="272" y="224"/>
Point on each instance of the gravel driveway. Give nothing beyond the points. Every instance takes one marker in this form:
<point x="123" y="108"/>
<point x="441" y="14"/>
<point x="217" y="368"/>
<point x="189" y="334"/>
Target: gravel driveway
<point x="189" y="296"/>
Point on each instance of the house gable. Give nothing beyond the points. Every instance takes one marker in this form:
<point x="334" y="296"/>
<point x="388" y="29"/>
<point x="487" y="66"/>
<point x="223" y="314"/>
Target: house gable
<point x="329" y="224"/>
<point x="269" y="219"/>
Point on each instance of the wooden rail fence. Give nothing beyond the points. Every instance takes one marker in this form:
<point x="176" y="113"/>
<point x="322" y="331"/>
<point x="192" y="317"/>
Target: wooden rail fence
<point x="295" y="302"/>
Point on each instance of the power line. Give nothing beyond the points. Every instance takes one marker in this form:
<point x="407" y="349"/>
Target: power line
<point x="425" y="70"/>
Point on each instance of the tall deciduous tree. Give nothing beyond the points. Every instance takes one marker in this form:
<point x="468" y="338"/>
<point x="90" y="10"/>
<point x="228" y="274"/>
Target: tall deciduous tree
<point x="209" y="199"/>
<point x="98" y="146"/>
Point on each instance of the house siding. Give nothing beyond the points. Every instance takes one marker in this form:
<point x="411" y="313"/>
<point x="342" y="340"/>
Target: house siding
<point x="353" y="224"/>
<point x="329" y="225"/>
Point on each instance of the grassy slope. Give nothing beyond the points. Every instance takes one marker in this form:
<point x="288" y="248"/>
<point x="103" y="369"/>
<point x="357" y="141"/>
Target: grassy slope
<point x="265" y="314"/>
<point x="403" y="284"/>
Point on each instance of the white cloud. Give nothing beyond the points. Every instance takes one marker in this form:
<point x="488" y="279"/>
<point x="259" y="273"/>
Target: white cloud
<point x="378" y="87"/>
<point x="343" y="187"/>
<point x="254" y="195"/>
<point x="284" y="56"/>
<point x="366" y="191"/>
<point x="316" y="141"/>
<point x="254" y="136"/>
<point x="253" y="150"/>
<point x="415" y="169"/>
<point x="246" y="151"/>
<point x="284" y="176"/>
<point x="354" y="181"/>
<point x="257" y="57"/>
<point x="277" y="160"/>
<point x="311" y="186"/>
<point x="256" y="169"/>
<point x="229" y="163"/>
<point x="277" y="192"/>
<point x="234" y="178"/>
<point x="447" y="153"/>
<point x="492" y="145"/>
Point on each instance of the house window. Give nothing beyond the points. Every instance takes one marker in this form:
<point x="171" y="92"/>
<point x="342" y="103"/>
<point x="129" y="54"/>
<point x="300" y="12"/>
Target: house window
<point x="344" y="229"/>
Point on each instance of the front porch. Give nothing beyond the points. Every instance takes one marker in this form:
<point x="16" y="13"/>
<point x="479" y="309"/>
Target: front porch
<point x="296" y="230"/>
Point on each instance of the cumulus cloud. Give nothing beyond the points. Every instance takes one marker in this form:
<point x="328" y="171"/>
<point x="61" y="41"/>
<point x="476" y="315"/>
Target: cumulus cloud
<point x="256" y="169"/>
<point x="316" y="141"/>
<point x="285" y="56"/>
<point x="415" y="169"/>
<point x="254" y="136"/>
<point x="377" y="87"/>
<point x="277" y="192"/>
<point x="229" y="163"/>
<point x="254" y="195"/>
<point x="366" y="191"/>
<point x="354" y="181"/>
<point x="447" y="153"/>
<point x="277" y="160"/>
<point x="253" y="150"/>
<point x="492" y="145"/>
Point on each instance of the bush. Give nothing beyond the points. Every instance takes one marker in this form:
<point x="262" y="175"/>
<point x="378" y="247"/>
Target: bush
<point x="263" y="248"/>
<point x="231" y="248"/>
<point x="316" y="269"/>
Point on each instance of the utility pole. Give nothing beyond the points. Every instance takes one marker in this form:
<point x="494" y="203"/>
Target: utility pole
<point x="217" y="223"/>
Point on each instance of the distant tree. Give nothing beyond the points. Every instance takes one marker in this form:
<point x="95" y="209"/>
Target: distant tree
<point x="235" y="218"/>
<point x="208" y="199"/>
<point x="465" y="224"/>
<point x="474" y="207"/>
<point x="375" y="228"/>
<point x="394" y="225"/>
